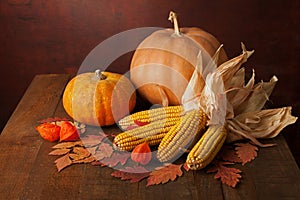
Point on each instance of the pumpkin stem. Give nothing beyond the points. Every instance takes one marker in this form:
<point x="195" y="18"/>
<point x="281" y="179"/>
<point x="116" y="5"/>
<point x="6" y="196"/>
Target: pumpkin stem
<point x="173" y="19"/>
<point x="100" y="75"/>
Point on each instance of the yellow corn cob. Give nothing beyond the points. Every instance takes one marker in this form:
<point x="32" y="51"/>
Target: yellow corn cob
<point x="181" y="135"/>
<point x="207" y="147"/>
<point x="148" y="116"/>
<point x="151" y="133"/>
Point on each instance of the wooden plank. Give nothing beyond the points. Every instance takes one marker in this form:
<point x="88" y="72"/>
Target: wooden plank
<point x="75" y="182"/>
<point x="31" y="174"/>
<point x="277" y="172"/>
<point x="274" y="174"/>
<point x="43" y="176"/>
<point x="19" y="142"/>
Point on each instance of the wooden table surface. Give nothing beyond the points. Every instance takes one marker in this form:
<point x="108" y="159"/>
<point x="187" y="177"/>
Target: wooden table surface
<point x="28" y="172"/>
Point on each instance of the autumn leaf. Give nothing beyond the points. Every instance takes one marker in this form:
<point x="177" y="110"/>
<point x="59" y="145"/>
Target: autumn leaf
<point x="104" y="150"/>
<point x="85" y="160"/>
<point x="227" y="153"/>
<point x="59" y="152"/>
<point x="66" y="145"/>
<point x="246" y="152"/>
<point x="79" y="153"/>
<point x="63" y="162"/>
<point x="228" y="175"/>
<point x="164" y="174"/>
<point x="185" y="166"/>
<point x="91" y="140"/>
<point x="133" y="177"/>
<point x="98" y="163"/>
<point x="92" y="150"/>
<point x="133" y="174"/>
<point x="135" y="169"/>
<point x="115" y="159"/>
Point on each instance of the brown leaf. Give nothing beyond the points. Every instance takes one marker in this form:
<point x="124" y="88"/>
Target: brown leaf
<point x="115" y="159"/>
<point x="79" y="153"/>
<point x="98" y="163"/>
<point x="104" y="150"/>
<point x="133" y="174"/>
<point x="91" y="140"/>
<point x="66" y="145"/>
<point x="59" y="152"/>
<point x="246" y="152"/>
<point x="164" y="174"/>
<point x="227" y="153"/>
<point x="92" y="150"/>
<point x="63" y="162"/>
<point x="136" y="169"/>
<point x="185" y="166"/>
<point x="229" y="176"/>
<point x="85" y="160"/>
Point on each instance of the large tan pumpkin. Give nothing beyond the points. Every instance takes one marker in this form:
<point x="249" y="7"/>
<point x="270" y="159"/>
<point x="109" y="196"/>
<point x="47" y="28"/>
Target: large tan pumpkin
<point x="100" y="98"/>
<point x="164" y="62"/>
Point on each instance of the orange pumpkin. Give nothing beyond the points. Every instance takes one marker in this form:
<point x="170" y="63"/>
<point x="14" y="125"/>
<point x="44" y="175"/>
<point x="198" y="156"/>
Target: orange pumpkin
<point x="99" y="98"/>
<point x="165" y="60"/>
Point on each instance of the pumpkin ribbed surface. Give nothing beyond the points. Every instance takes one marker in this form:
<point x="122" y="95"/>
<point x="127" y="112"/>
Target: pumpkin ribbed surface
<point x="165" y="61"/>
<point x="99" y="102"/>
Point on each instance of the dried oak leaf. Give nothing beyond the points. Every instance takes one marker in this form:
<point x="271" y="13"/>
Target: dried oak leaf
<point x="85" y="160"/>
<point x="246" y="152"/>
<point x="133" y="174"/>
<point x="185" y="166"/>
<point x="104" y="150"/>
<point x="164" y="174"/>
<point x="79" y="153"/>
<point x="228" y="175"/>
<point x="227" y="153"/>
<point x="115" y="159"/>
<point x="63" y="162"/>
<point x="59" y="152"/>
<point x="91" y="140"/>
<point x="92" y="150"/>
<point x="67" y="145"/>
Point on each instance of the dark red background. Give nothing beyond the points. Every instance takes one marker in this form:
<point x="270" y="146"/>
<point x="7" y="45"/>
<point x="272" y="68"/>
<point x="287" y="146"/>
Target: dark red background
<point x="42" y="36"/>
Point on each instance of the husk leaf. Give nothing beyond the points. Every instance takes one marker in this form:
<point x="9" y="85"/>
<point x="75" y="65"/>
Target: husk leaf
<point x="259" y="124"/>
<point x="227" y="99"/>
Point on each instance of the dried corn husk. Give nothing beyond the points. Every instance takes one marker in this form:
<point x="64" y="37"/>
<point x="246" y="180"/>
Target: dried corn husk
<point x="227" y="99"/>
<point x="210" y="97"/>
<point x="259" y="124"/>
